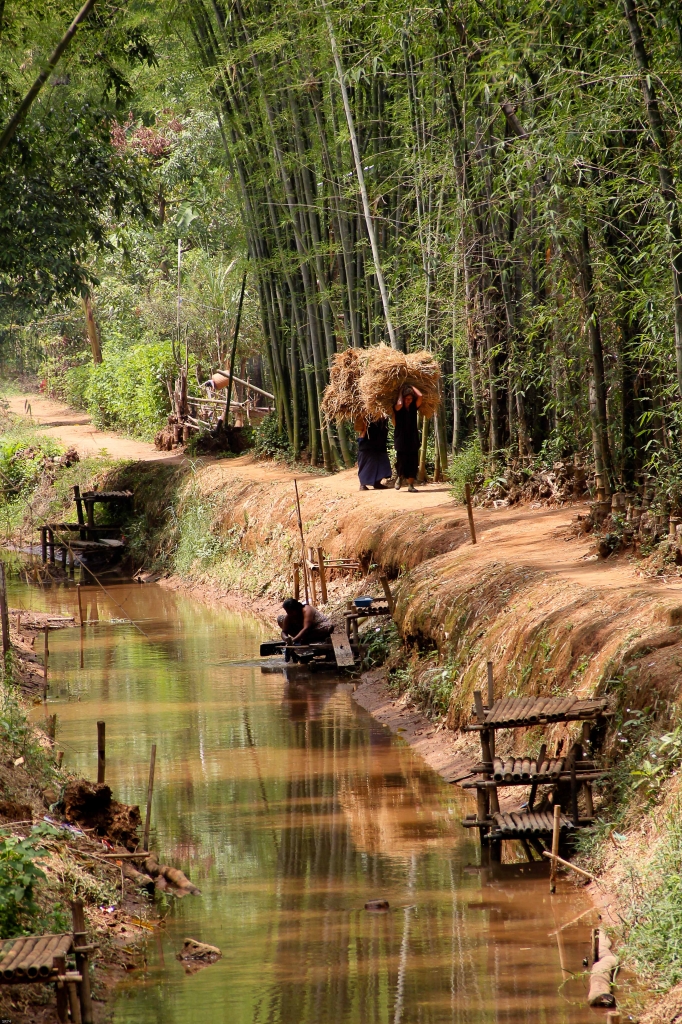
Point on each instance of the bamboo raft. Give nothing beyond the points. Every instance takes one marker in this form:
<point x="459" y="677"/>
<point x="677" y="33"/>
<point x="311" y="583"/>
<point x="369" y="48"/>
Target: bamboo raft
<point x="30" y="958"/>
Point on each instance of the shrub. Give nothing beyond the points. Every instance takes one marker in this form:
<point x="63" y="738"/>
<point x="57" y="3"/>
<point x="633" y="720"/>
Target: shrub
<point x="19" y="873"/>
<point x="270" y="442"/>
<point x="465" y="468"/>
<point x="128" y="390"/>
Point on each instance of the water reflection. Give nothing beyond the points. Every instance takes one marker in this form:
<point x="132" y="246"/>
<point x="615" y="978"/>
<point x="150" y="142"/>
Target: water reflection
<point x="290" y="807"/>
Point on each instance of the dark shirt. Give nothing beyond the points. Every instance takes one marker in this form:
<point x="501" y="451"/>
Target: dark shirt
<point x="406" y="434"/>
<point x="376" y="438"/>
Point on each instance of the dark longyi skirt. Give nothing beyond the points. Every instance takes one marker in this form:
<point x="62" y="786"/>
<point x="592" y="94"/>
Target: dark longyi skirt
<point x="407" y="464"/>
<point x="372" y="467"/>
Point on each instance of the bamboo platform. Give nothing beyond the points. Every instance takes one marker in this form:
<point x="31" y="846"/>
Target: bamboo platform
<point x="42" y="959"/>
<point x="30" y="958"/>
<point x="519" y="712"/>
<point x="516" y="771"/>
<point x="517" y="823"/>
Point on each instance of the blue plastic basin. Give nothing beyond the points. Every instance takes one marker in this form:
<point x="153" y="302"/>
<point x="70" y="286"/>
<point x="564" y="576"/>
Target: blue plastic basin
<point x="363" y="602"/>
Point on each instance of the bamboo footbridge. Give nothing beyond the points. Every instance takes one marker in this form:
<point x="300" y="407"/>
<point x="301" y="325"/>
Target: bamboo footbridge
<point x="561" y="784"/>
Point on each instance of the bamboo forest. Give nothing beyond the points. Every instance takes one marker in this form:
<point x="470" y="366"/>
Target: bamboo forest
<point x="497" y="183"/>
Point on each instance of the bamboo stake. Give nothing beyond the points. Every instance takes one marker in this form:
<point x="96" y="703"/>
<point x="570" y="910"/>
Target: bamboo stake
<point x="555" y="848"/>
<point x="101" y="751"/>
<point x="491" y="686"/>
<point x="470" y="513"/>
<point x="150" y="790"/>
<point x="6" y="646"/>
<point x="80" y="941"/>
<point x="323" y="576"/>
<point x="304" y="563"/>
<point x="80" y="605"/>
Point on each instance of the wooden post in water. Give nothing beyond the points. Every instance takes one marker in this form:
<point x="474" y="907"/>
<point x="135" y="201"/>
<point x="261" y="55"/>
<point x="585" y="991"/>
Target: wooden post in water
<point x="556" y="831"/>
<point x="4" y="612"/>
<point x="323" y="575"/>
<point x="80" y="940"/>
<point x="150" y="791"/>
<point x="46" y="657"/>
<point x="101" y="751"/>
<point x="470" y="513"/>
<point x="80" y="605"/>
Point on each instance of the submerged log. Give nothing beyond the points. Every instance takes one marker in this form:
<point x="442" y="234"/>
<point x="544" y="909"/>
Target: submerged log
<point x="601" y="978"/>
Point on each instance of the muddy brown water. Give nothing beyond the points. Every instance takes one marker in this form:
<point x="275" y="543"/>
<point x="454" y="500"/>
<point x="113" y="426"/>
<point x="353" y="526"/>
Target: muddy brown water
<point x="290" y="807"/>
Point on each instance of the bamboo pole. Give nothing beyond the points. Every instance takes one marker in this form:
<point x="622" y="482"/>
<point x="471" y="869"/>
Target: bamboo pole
<point x="491" y="685"/>
<point x="304" y="563"/>
<point x="30" y="96"/>
<point x="387" y="593"/>
<point x="80" y="605"/>
<point x="101" y="751"/>
<point x="150" y="791"/>
<point x="323" y="576"/>
<point x="46" y="655"/>
<point x="556" y="859"/>
<point x="470" y="513"/>
<point x="80" y="941"/>
<point x="4" y="614"/>
<point x="555" y="848"/>
<point x="361" y="178"/>
<point x="233" y="352"/>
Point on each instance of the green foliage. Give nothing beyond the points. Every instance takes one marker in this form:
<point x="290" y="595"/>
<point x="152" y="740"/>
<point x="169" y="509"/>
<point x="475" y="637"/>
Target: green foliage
<point x="653" y="922"/>
<point x="19" y="874"/>
<point x="270" y="442"/>
<point x="128" y="390"/>
<point x="380" y="642"/>
<point x="466" y="468"/>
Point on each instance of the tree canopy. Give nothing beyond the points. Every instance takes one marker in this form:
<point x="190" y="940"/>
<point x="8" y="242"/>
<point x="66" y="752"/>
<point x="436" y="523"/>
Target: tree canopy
<point x="520" y="163"/>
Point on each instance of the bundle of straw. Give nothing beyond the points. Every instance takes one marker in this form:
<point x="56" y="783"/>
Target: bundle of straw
<point x="342" y="399"/>
<point x="387" y="371"/>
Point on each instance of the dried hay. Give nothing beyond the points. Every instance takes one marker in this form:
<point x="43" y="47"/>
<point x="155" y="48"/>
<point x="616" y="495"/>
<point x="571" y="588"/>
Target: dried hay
<point x="367" y="382"/>
<point x="342" y="399"/>
<point x="388" y="371"/>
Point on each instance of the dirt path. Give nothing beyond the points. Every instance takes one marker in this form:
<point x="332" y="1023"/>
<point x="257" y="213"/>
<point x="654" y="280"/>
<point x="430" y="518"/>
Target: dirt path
<point x="524" y="535"/>
<point x="75" y="430"/>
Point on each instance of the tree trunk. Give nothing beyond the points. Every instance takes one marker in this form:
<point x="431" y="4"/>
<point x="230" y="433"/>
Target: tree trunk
<point x="665" y="175"/>
<point x="91" y="326"/>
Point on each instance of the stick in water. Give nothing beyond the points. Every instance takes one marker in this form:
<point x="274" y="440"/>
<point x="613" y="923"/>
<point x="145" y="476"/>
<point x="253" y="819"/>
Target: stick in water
<point x="150" y="790"/>
<point x="101" y="751"/>
<point x="555" y="848"/>
<point x="80" y="604"/>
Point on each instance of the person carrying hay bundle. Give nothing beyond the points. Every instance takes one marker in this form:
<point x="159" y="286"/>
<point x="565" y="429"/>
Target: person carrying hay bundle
<point x="373" y="462"/>
<point x="406" y="436"/>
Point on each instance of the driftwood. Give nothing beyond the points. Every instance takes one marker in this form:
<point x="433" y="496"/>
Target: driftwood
<point x="162" y="873"/>
<point x="601" y="977"/>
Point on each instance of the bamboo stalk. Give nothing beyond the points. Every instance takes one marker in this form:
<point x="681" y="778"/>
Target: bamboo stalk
<point x="555" y="848"/>
<point x="150" y="790"/>
<point x="303" y="554"/>
<point x="101" y="751"/>
<point x="470" y="513"/>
